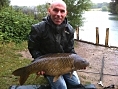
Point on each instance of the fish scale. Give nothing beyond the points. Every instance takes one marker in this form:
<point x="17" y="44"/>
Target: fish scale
<point x="55" y="65"/>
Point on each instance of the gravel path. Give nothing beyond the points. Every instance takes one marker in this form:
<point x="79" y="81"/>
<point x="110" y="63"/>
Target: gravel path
<point x="94" y="54"/>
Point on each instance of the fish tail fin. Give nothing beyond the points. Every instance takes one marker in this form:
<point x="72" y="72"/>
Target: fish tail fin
<point x="22" y="73"/>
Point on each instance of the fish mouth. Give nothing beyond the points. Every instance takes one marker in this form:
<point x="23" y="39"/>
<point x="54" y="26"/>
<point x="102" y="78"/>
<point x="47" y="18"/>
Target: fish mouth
<point x="82" y="68"/>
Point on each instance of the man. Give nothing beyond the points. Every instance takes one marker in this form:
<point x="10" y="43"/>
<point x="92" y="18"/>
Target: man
<point x="54" y="35"/>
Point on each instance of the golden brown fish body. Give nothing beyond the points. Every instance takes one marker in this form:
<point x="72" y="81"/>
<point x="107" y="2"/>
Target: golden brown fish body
<point x="52" y="64"/>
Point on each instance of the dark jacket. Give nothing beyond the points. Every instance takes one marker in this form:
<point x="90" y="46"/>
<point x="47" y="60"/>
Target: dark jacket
<point x="46" y="37"/>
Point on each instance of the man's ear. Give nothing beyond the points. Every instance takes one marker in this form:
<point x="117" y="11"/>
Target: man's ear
<point x="66" y="12"/>
<point x="48" y="11"/>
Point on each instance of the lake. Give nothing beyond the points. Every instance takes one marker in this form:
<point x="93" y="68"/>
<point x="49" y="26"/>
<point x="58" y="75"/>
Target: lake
<point x="101" y="20"/>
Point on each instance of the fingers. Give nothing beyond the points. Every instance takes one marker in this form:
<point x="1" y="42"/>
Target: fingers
<point x="41" y="73"/>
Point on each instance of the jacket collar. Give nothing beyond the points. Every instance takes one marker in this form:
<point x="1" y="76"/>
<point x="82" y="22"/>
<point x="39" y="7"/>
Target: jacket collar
<point x="56" y="28"/>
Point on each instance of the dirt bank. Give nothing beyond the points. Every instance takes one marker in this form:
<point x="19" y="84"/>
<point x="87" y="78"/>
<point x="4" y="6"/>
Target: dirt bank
<point x="94" y="55"/>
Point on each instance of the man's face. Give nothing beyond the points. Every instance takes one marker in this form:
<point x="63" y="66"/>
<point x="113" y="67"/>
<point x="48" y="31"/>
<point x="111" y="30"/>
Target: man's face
<point x="58" y="13"/>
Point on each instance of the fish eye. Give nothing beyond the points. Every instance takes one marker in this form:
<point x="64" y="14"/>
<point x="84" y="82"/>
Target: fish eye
<point x="83" y="61"/>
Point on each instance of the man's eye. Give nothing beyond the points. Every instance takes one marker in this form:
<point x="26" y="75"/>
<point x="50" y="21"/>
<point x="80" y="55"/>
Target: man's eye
<point x="56" y="10"/>
<point x="62" y="11"/>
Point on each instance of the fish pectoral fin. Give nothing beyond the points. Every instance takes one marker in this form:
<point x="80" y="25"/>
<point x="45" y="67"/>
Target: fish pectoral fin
<point x="56" y="78"/>
<point x="71" y="73"/>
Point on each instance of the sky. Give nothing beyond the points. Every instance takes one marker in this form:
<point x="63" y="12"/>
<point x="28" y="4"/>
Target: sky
<point x="28" y="2"/>
<point x="37" y="2"/>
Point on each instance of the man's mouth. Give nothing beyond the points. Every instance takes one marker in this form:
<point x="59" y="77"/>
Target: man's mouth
<point x="58" y="20"/>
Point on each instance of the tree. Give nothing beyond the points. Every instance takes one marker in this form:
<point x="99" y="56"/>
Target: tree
<point x="75" y="10"/>
<point x="113" y="6"/>
<point x="41" y="11"/>
<point x="116" y="1"/>
<point x="104" y="8"/>
<point x="14" y="26"/>
<point x="4" y="3"/>
<point x="117" y="8"/>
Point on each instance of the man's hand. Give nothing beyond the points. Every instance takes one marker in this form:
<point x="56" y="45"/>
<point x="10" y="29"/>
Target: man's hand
<point x="40" y="73"/>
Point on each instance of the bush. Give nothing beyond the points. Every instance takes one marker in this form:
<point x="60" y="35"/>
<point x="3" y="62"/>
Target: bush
<point x="14" y="26"/>
<point x="104" y="8"/>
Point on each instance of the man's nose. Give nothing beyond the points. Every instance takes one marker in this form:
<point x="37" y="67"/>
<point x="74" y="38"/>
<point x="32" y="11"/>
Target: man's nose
<point x="58" y="13"/>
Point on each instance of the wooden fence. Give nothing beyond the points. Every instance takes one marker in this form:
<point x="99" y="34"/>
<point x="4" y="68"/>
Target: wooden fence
<point x="97" y="38"/>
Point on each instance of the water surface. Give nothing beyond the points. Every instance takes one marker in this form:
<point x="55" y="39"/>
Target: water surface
<point x="101" y="20"/>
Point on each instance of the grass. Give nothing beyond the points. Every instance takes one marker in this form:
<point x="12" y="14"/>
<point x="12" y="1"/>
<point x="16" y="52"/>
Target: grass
<point x="10" y="60"/>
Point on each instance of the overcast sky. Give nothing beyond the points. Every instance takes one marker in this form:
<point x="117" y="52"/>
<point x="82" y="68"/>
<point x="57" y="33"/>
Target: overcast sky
<point x="37" y="2"/>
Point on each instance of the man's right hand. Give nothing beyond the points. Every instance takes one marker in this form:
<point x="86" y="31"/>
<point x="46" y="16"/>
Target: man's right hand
<point x="40" y="73"/>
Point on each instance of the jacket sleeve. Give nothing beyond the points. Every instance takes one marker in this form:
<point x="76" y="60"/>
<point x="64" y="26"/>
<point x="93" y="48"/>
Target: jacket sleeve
<point x="70" y="46"/>
<point x="33" y="42"/>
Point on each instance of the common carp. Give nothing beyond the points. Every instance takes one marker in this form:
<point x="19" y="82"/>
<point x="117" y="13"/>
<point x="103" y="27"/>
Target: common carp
<point x="55" y="65"/>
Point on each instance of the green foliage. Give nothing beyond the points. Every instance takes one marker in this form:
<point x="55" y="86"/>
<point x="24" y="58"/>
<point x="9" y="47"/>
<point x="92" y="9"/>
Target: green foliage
<point x="41" y="11"/>
<point x="103" y="5"/>
<point x="104" y="8"/>
<point x="4" y="3"/>
<point x="113" y="7"/>
<point x="75" y="9"/>
<point x="114" y="18"/>
<point x="25" y="10"/>
<point x="15" y="26"/>
<point x="117" y="8"/>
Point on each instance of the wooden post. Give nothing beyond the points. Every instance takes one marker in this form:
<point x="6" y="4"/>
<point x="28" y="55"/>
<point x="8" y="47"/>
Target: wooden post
<point x="107" y="37"/>
<point x="97" y="35"/>
<point x="77" y="33"/>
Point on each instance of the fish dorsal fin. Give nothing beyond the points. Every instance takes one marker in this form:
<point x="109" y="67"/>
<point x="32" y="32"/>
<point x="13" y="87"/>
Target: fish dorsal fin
<point x="56" y="78"/>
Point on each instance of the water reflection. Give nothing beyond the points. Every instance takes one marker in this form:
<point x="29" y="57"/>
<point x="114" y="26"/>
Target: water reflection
<point x="102" y="20"/>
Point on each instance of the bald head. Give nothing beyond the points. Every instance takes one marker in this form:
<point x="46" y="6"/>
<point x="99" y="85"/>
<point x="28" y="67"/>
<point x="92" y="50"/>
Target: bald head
<point x="57" y="2"/>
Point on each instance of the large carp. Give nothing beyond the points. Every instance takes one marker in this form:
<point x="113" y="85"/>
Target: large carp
<point x="55" y="65"/>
